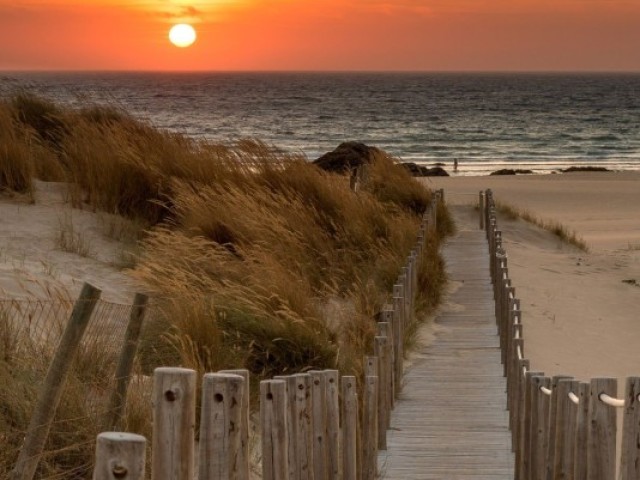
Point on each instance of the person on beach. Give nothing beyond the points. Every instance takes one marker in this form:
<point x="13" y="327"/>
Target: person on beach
<point x="455" y="164"/>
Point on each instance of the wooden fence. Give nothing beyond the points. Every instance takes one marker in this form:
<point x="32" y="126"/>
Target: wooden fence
<point x="312" y="425"/>
<point x="561" y="428"/>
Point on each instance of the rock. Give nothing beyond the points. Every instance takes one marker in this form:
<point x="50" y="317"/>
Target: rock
<point x="420" y="171"/>
<point x="347" y="156"/>
<point x="585" y="169"/>
<point x="511" y="171"/>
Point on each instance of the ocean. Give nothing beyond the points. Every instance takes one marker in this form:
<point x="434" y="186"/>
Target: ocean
<point x="542" y="122"/>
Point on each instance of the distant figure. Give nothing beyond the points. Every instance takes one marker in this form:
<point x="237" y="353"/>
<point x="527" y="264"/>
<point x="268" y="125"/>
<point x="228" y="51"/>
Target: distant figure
<point x="455" y="164"/>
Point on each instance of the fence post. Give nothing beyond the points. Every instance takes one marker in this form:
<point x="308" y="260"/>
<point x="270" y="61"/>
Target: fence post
<point x="292" y="425"/>
<point x="319" y="401"/>
<point x="384" y="386"/>
<point x="53" y="386"/>
<point x="398" y="335"/>
<point x="556" y="399"/>
<point x="388" y="318"/>
<point x="481" y="209"/>
<point x="630" y="462"/>
<point x="370" y="428"/>
<point x="174" y="418"/>
<point x="220" y="421"/>
<point x="582" y="432"/>
<point x="242" y="472"/>
<point x="125" y="362"/>
<point x="540" y="403"/>
<point x="524" y="466"/>
<point x="601" y="450"/>
<point x="349" y="428"/>
<point x="565" y="430"/>
<point x="303" y="410"/>
<point x="120" y="456"/>
<point x="333" y="423"/>
<point x="518" y="438"/>
<point x="273" y="427"/>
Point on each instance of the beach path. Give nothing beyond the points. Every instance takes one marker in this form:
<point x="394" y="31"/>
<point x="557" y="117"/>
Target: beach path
<point x="450" y="421"/>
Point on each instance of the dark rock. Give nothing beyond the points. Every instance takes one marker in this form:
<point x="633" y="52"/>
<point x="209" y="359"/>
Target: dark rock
<point x="511" y="171"/>
<point x="347" y="156"/>
<point x="421" y="171"/>
<point x="585" y="169"/>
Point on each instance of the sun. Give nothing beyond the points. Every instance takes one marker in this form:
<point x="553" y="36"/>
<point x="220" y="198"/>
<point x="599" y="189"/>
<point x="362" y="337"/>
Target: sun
<point x="182" y="35"/>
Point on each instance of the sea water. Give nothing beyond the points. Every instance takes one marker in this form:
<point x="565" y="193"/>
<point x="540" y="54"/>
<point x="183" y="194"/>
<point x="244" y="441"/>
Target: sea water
<point x="542" y="122"/>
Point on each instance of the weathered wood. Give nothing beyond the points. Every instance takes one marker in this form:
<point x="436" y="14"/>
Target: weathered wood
<point x="370" y="428"/>
<point x="384" y="389"/>
<point x="565" y="431"/>
<point x="540" y="405"/>
<point x="385" y="328"/>
<point x="349" y="428"/>
<point x="601" y="445"/>
<point x="582" y="432"/>
<point x="450" y="420"/>
<point x="242" y="472"/>
<point x="334" y="460"/>
<point x="319" y="415"/>
<point x="630" y="461"/>
<point x="273" y="428"/>
<point x="553" y="414"/>
<point x="220" y="426"/>
<point x="174" y="418"/>
<point x="53" y="386"/>
<point x="303" y="409"/>
<point x="517" y="437"/>
<point x="528" y="428"/>
<point x="120" y="456"/>
<point x="398" y="335"/>
<point x="481" y="209"/>
<point x="292" y="425"/>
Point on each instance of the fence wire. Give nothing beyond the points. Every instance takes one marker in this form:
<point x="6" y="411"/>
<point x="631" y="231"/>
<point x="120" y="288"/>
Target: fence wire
<point x="30" y="331"/>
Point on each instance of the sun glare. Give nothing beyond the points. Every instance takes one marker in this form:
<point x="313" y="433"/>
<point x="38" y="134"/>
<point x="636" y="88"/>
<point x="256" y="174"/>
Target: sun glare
<point x="182" y="35"/>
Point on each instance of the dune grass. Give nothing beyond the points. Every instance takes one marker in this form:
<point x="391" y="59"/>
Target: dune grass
<point x="561" y="231"/>
<point x="257" y="259"/>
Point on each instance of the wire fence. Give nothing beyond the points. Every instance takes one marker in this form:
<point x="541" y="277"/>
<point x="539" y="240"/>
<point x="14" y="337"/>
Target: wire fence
<point x="30" y="333"/>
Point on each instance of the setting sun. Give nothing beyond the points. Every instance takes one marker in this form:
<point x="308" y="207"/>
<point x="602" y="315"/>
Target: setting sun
<point x="182" y="35"/>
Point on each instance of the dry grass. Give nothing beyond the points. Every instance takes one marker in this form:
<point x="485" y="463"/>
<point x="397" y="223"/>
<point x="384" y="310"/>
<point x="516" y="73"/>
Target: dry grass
<point x="69" y="239"/>
<point x="556" y="228"/>
<point x="248" y="250"/>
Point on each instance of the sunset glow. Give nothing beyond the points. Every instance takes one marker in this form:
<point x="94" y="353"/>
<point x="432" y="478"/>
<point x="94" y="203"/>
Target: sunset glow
<point x="327" y="35"/>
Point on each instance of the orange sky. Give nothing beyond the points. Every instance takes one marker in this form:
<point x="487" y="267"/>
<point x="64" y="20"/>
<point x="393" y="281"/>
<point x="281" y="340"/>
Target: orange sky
<point x="322" y="35"/>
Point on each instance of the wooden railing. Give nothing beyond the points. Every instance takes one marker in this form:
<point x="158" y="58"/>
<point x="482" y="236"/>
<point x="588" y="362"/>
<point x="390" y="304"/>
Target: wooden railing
<point x="561" y="428"/>
<point x="310" y="424"/>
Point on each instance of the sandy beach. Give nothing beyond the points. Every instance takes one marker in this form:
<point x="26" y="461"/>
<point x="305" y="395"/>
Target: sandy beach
<point x="580" y="309"/>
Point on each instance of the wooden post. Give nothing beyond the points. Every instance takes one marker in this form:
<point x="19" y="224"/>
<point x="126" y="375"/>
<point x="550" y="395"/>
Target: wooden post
<point x="398" y="335"/>
<point x="384" y="389"/>
<point x="220" y="426"/>
<point x="242" y="472"/>
<point x="388" y="318"/>
<point x="514" y="391"/>
<point x="370" y="428"/>
<point x="174" y="418"/>
<point x="333" y="423"/>
<point x="319" y="415"/>
<point x="601" y="445"/>
<point x="273" y="428"/>
<point x="120" y="456"/>
<point x="349" y="428"/>
<point x="556" y="399"/>
<point x="518" y="436"/>
<point x="303" y="409"/>
<point x="53" y="386"/>
<point x="630" y="462"/>
<point x="582" y="432"/>
<point x="125" y="362"/>
<point x="565" y="430"/>
<point x="540" y="403"/>
<point x="524" y="466"/>
<point x="292" y="426"/>
<point x="481" y="208"/>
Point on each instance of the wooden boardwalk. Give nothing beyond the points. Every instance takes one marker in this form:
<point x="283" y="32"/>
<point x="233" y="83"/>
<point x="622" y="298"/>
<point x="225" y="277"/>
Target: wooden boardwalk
<point x="450" y="421"/>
